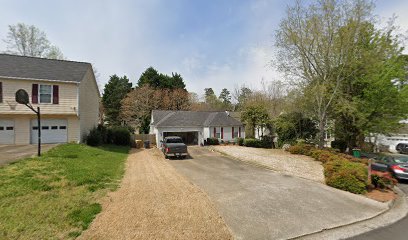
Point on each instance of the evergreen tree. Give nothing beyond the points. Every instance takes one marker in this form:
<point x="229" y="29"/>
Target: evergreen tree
<point x="115" y="90"/>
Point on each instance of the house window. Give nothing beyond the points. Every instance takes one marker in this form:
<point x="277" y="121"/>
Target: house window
<point x="217" y="132"/>
<point x="235" y="133"/>
<point x="45" y="92"/>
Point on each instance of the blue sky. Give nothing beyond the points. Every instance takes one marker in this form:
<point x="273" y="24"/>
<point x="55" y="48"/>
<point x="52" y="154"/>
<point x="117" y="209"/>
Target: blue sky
<point x="216" y="44"/>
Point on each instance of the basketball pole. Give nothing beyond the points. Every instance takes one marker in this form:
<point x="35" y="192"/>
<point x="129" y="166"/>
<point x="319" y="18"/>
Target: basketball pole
<point x="39" y="131"/>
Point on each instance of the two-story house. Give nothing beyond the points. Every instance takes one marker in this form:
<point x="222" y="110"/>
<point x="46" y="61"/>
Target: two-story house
<point x="65" y="91"/>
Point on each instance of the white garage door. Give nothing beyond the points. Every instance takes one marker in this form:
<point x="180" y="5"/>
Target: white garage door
<point x="6" y="131"/>
<point x="52" y="131"/>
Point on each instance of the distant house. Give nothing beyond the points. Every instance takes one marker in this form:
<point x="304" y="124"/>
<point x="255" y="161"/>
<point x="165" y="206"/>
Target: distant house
<point x="195" y="127"/>
<point x="66" y="92"/>
<point x="391" y="141"/>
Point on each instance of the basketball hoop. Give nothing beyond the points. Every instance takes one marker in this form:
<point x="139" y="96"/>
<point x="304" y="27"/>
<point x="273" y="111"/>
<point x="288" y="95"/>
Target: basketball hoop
<point x="12" y="105"/>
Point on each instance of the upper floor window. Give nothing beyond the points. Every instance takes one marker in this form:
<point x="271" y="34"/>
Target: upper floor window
<point x="45" y="93"/>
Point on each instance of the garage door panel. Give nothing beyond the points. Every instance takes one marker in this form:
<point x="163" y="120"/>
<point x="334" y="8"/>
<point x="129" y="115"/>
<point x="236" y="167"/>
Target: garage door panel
<point x="6" y="131"/>
<point x="52" y="131"/>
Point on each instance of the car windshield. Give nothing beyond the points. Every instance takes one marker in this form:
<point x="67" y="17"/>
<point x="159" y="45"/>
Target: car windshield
<point x="174" y="140"/>
<point x="401" y="159"/>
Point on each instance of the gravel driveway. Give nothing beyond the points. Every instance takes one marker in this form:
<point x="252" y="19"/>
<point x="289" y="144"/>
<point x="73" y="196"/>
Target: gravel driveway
<point x="277" y="160"/>
<point x="156" y="202"/>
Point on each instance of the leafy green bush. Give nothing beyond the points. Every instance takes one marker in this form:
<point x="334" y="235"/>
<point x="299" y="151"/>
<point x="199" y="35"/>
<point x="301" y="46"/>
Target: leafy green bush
<point x="346" y="175"/>
<point x="118" y="136"/>
<point x="251" y="142"/>
<point x="267" y="141"/>
<point x="341" y="171"/>
<point x="339" y="144"/>
<point x="383" y="180"/>
<point x="94" y="138"/>
<point x="213" y="141"/>
<point x="240" y="141"/>
<point x="294" y="125"/>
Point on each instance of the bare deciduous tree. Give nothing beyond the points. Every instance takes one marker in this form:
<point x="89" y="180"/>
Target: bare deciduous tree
<point x="139" y="103"/>
<point x="28" y="40"/>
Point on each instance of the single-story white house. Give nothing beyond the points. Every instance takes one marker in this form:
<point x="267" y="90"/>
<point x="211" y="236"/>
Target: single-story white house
<point x="195" y="127"/>
<point x="391" y="140"/>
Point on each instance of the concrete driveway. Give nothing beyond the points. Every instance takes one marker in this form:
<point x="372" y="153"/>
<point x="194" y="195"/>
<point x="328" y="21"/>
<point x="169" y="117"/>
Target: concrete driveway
<point x="260" y="204"/>
<point x="12" y="153"/>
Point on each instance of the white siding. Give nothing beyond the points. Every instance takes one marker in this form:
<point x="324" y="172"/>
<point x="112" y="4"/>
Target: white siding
<point x="68" y="103"/>
<point x="159" y="133"/>
<point x="88" y="104"/>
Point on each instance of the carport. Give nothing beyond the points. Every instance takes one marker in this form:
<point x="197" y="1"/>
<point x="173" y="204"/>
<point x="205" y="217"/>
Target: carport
<point x="189" y="138"/>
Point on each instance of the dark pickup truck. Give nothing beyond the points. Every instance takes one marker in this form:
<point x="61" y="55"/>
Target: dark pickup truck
<point x="174" y="147"/>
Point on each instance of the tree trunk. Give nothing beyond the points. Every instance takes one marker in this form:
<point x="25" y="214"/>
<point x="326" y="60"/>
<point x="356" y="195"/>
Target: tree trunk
<point x="321" y="133"/>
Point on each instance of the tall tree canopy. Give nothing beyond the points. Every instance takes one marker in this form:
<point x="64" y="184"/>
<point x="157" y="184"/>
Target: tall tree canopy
<point x="344" y="65"/>
<point x="372" y="98"/>
<point x="138" y="104"/>
<point x="115" y="90"/>
<point x="28" y="40"/>
<point x="225" y="96"/>
<point x="158" y="80"/>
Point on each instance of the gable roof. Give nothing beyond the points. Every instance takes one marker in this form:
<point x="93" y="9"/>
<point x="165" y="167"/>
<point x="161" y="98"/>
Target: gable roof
<point x="23" y="67"/>
<point x="193" y="119"/>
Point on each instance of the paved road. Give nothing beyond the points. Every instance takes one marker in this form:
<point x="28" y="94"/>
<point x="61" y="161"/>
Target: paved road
<point x="261" y="204"/>
<point x="12" y="153"/>
<point x="396" y="231"/>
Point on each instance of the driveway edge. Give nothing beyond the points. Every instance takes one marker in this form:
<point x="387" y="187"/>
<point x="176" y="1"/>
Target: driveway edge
<point x="397" y="209"/>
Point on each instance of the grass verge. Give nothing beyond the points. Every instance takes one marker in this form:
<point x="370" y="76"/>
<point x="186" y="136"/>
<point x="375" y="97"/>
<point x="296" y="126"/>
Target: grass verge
<point x="56" y="196"/>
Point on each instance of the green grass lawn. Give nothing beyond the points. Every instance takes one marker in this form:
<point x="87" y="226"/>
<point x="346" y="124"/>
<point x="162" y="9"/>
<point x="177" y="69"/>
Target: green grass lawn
<point x="56" y="196"/>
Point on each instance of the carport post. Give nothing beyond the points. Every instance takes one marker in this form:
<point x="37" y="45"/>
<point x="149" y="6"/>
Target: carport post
<point x="39" y="131"/>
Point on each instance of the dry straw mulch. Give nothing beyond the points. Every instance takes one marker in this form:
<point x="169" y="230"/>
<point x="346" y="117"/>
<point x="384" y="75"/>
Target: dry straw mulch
<point x="156" y="202"/>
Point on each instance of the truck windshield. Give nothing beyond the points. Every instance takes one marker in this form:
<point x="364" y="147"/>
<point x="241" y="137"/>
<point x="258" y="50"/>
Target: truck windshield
<point x="174" y="140"/>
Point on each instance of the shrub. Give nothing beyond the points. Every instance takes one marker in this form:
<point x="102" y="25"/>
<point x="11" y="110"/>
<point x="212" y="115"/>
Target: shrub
<point x="303" y="149"/>
<point x="240" y="141"/>
<point x="251" y="142"/>
<point x="213" y="141"/>
<point x="118" y="136"/>
<point x="103" y="130"/>
<point x="339" y="144"/>
<point x="266" y="141"/>
<point x="383" y="180"/>
<point x="346" y="175"/>
<point x="94" y="138"/>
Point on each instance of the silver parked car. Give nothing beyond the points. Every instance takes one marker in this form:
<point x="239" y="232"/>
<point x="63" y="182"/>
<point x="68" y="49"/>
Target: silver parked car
<point x="397" y="165"/>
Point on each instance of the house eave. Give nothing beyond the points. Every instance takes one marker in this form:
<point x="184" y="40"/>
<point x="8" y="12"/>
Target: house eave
<point x="38" y="79"/>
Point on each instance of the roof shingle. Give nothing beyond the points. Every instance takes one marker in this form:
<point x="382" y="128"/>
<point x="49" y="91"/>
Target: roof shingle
<point x="41" y="68"/>
<point x="193" y="119"/>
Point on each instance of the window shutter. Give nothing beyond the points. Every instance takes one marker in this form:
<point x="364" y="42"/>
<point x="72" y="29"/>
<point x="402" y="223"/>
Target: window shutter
<point x="55" y="94"/>
<point x="232" y="132"/>
<point x="1" y="92"/>
<point x="215" y="132"/>
<point x="34" y="94"/>
<point x="222" y="133"/>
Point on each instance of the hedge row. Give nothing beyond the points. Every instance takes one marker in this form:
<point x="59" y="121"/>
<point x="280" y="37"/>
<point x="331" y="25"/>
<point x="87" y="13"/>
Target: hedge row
<point x="264" y="142"/>
<point x="341" y="171"/>
<point x="102" y="135"/>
